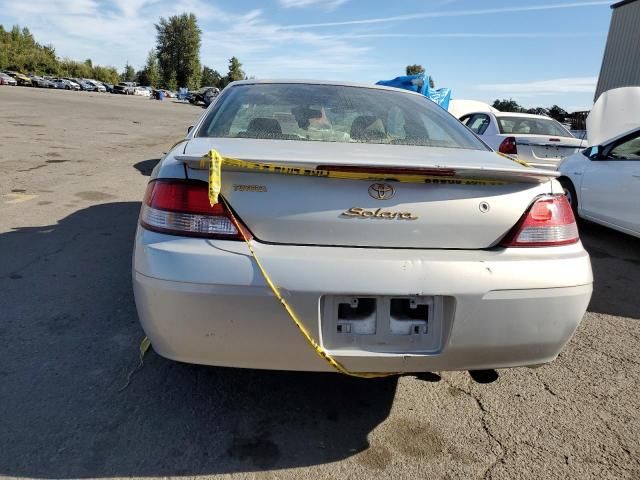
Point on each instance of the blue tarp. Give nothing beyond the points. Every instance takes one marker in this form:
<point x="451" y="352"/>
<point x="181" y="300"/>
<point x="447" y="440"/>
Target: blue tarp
<point x="441" y="96"/>
<point x="420" y="84"/>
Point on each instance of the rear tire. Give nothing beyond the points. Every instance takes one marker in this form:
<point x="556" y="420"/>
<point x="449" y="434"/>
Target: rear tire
<point x="570" y="193"/>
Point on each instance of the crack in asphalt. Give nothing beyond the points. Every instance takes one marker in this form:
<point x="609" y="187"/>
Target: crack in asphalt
<point x="572" y="458"/>
<point x="609" y="355"/>
<point x="616" y="434"/>
<point x="42" y="256"/>
<point x="544" y="384"/>
<point x="619" y="439"/>
<point x="485" y="426"/>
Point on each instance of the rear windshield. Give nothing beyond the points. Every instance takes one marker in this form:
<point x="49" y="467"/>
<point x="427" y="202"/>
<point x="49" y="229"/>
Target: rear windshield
<point x="333" y="113"/>
<point x="532" y="126"/>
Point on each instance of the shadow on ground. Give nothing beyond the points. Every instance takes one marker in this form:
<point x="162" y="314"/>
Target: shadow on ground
<point x="615" y="259"/>
<point x="70" y="334"/>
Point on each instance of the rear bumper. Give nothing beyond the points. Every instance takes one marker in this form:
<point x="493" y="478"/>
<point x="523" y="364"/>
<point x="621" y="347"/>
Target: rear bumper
<point x="203" y="301"/>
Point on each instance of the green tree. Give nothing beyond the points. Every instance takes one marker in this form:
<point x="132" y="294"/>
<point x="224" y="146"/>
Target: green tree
<point x="106" y="74"/>
<point x="509" y="105"/>
<point x="235" y="72"/>
<point x="415" y="69"/>
<point x="71" y="68"/>
<point x="172" y="84"/>
<point x="538" y="111"/>
<point x="210" y="77"/>
<point x="129" y="74"/>
<point x="178" y="50"/>
<point x="21" y="52"/>
<point x="150" y="75"/>
<point x="557" y="113"/>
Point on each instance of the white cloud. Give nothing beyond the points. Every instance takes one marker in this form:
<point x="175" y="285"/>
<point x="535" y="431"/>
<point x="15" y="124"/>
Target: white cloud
<point x="81" y="29"/>
<point x="261" y="46"/>
<point x="328" y="4"/>
<point x="468" y="35"/>
<point x="453" y="13"/>
<point x="543" y="87"/>
<point x="119" y="31"/>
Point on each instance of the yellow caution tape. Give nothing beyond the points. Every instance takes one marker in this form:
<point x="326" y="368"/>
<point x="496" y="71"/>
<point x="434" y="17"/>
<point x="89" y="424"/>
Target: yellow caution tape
<point x="514" y="159"/>
<point x="321" y="352"/>
<point x="215" y="175"/>
<point x="217" y="161"/>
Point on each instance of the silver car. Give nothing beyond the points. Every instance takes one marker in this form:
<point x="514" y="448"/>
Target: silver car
<point x="395" y="238"/>
<point x="7" y="80"/>
<point x="538" y="140"/>
<point x="65" y="84"/>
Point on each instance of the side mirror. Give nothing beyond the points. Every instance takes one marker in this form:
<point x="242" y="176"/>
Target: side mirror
<point x="595" y="152"/>
<point x="189" y="129"/>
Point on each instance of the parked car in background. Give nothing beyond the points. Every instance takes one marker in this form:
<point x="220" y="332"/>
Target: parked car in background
<point x="125" y="88"/>
<point x="155" y="93"/>
<point x="87" y="86"/>
<point x="459" y="273"/>
<point x="21" y="79"/>
<point x="76" y="81"/>
<point x="142" y="91"/>
<point x="108" y="87"/>
<point x="41" y="82"/>
<point x="99" y="86"/>
<point x="65" y="84"/>
<point x="602" y="183"/>
<point x="72" y="83"/>
<point x="203" y="95"/>
<point x="7" y="80"/>
<point x="538" y="140"/>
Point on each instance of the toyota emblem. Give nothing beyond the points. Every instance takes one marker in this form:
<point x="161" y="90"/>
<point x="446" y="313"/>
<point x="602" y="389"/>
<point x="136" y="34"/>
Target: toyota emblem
<point x="381" y="191"/>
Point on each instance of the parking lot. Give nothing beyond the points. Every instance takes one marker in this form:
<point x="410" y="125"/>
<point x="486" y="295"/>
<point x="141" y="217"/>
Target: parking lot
<point x="73" y="171"/>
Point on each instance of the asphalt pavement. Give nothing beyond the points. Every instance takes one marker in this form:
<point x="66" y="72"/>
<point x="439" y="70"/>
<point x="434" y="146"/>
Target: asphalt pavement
<point x="73" y="168"/>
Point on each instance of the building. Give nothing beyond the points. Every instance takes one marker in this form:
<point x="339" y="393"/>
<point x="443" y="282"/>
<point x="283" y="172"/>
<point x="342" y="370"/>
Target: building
<point x="621" y="61"/>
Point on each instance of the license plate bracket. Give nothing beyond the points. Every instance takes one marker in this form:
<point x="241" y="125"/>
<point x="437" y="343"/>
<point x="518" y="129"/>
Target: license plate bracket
<point x="382" y="323"/>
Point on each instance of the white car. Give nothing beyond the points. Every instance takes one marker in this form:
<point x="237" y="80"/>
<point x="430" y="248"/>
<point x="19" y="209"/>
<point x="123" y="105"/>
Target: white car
<point x="99" y="86"/>
<point x="538" y="140"/>
<point x="142" y="91"/>
<point x="426" y="252"/>
<point x="65" y="84"/>
<point x="603" y="183"/>
<point x="7" y="80"/>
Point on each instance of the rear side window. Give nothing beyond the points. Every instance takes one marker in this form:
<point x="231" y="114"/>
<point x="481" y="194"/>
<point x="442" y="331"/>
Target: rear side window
<point x="532" y="126"/>
<point x="478" y="123"/>
<point x="627" y="150"/>
<point x="333" y="113"/>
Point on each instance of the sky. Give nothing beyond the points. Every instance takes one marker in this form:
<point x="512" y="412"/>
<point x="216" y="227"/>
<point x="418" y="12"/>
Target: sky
<point x="538" y="52"/>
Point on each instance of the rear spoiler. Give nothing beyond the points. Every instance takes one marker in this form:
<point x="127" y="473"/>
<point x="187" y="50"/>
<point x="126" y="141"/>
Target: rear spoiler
<point x="582" y="144"/>
<point x="383" y="172"/>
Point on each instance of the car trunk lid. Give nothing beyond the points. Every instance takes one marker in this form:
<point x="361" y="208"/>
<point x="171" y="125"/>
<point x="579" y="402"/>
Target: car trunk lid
<point x="472" y="200"/>
<point x="544" y="151"/>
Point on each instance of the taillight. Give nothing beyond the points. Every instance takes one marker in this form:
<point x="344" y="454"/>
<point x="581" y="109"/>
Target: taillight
<point x="181" y="207"/>
<point x="548" y="222"/>
<point x="508" y="146"/>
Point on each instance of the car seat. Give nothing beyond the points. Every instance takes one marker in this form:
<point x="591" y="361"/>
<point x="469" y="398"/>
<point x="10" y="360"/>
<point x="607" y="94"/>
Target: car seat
<point x="361" y="129"/>
<point x="261" y="127"/>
